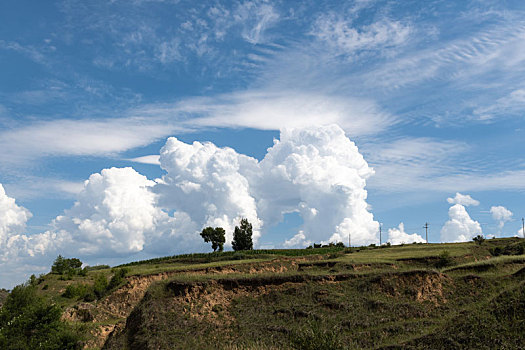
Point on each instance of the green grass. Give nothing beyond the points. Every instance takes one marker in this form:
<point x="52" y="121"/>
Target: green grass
<point x="368" y="297"/>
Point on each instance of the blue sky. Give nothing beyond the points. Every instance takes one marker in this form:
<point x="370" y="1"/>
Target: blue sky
<point x="432" y="93"/>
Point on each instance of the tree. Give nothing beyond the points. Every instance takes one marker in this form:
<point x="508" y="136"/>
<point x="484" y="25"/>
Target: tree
<point x="242" y="236"/>
<point x="30" y="321"/>
<point x="479" y="239"/>
<point x="214" y="235"/>
<point x="62" y="265"/>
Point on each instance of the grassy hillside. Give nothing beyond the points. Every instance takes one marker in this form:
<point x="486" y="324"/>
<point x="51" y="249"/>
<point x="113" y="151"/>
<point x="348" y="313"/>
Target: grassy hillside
<point x="438" y="296"/>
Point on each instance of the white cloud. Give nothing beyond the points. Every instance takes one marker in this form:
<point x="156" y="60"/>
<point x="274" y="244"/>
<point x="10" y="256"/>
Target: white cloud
<point x="269" y="110"/>
<point x="421" y="160"/>
<point x="209" y="184"/>
<point x="511" y="105"/>
<point x="256" y="17"/>
<point x="319" y="172"/>
<point x="153" y="159"/>
<point x="500" y="214"/>
<point x="114" y="214"/>
<point x="345" y="37"/>
<point x="460" y="227"/>
<point x="399" y="236"/>
<point x="297" y="241"/>
<point x="316" y="171"/>
<point x="13" y="219"/>
<point x="498" y="48"/>
<point x="463" y="199"/>
<point x="80" y="137"/>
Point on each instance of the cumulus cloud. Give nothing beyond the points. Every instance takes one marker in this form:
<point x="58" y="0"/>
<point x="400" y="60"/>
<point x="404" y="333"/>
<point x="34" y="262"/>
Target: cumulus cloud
<point x="113" y="214"/>
<point x="13" y="219"/>
<point x="317" y="172"/>
<point x="399" y="236"/>
<point x="501" y="215"/>
<point x="297" y="241"/>
<point x="460" y="227"/>
<point x="209" y="184"/>
<point x="463" y="199"/>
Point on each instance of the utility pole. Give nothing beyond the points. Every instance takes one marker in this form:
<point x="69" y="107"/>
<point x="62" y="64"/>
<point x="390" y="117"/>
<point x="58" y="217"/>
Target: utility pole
<point x="426" y="231"/>
<point x="349" y="240"/>
<point x="380" y="234"/>
<point x="523" y="226"/>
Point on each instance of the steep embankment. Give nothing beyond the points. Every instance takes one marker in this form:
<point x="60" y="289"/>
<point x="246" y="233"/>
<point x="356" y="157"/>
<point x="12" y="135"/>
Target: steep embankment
<point x="410" y="296"/>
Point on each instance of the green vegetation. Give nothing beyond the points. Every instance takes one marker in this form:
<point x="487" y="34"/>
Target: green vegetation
<point x="479" y="239"/>
<point x="242" y="236"/>
<point x="28" y="321"/>
<point x="66" y="266"/>
<point x="216" y="236"/>
<point x="395" y="297"/>
<point x="413" y="296"/>
<point x="99" y="288"/>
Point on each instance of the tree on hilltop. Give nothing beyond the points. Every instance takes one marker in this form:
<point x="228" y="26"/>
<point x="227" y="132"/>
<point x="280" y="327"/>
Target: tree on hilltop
<point x="242" y="236"/>
<point x="216" y="236"/>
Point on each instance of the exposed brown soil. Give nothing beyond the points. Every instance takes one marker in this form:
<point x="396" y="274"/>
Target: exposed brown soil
<point x="120" y="303"/>
<point x="421" y="285"/>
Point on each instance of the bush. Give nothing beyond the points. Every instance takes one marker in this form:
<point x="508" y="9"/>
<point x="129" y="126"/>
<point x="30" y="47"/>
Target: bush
<point x="96" y="267"/>
<point x="479" y="239"/>
<point x="444" y="259"/>
<point x="100" y="286"/>
<point x="29" y="321"/>
<point x="62" y="265"/>
<point x="117" y="278"/>
<point x="515" y="248"/>
<point x="76" y="291"/>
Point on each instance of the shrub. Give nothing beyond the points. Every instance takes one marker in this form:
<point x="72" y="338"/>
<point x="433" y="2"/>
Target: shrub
<point x="496" y="251"/>
<point x="96" y="267"/>
<point x="29" y="321"/>
<point x="515" y="248"/>
<point x="117" y="278"/>
<point x="76" y="291"/>
<point x="444" y="259"/>
<point x="100" y="286"/>
<point x="62" y="265"/>
<point x="479" y="239"/>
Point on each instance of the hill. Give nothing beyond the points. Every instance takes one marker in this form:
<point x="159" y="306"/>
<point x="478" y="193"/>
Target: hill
<point x="440" y="296"/>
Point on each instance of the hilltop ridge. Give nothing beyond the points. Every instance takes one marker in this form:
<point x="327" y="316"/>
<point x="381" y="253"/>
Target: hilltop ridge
<point x="459" y="295"/>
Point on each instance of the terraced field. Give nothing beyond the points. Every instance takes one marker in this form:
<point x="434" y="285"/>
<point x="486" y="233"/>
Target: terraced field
<point x="418" y="296"/>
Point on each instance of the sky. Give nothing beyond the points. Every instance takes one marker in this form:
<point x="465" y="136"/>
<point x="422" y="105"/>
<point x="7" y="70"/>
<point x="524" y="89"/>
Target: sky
<point x="128" y="126"/>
